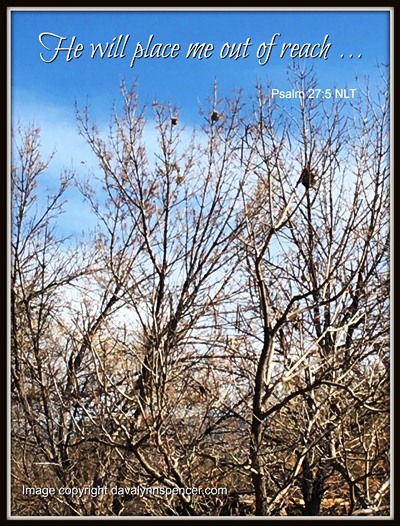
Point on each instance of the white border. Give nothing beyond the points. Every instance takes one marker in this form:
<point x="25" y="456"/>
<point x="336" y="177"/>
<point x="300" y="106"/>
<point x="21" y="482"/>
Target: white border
<point x="389" y="9"/>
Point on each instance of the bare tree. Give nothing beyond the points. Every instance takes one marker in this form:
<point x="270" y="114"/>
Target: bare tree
<point x="317" y="260"/>
<point x="222" y="327"/>
<point x="42" y="265"/>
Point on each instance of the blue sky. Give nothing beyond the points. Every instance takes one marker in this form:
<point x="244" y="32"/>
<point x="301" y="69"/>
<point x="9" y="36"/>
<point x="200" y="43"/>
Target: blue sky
<point x="185" y="80"/>
<point x="45" y="92"/>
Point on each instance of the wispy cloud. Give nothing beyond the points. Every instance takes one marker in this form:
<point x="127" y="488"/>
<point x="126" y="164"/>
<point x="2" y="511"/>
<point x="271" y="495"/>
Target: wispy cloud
<point x="60" y="140"/>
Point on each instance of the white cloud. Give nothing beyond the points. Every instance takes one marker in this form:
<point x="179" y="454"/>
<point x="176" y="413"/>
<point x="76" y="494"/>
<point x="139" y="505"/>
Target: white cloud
<point x="59" y="135"/>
